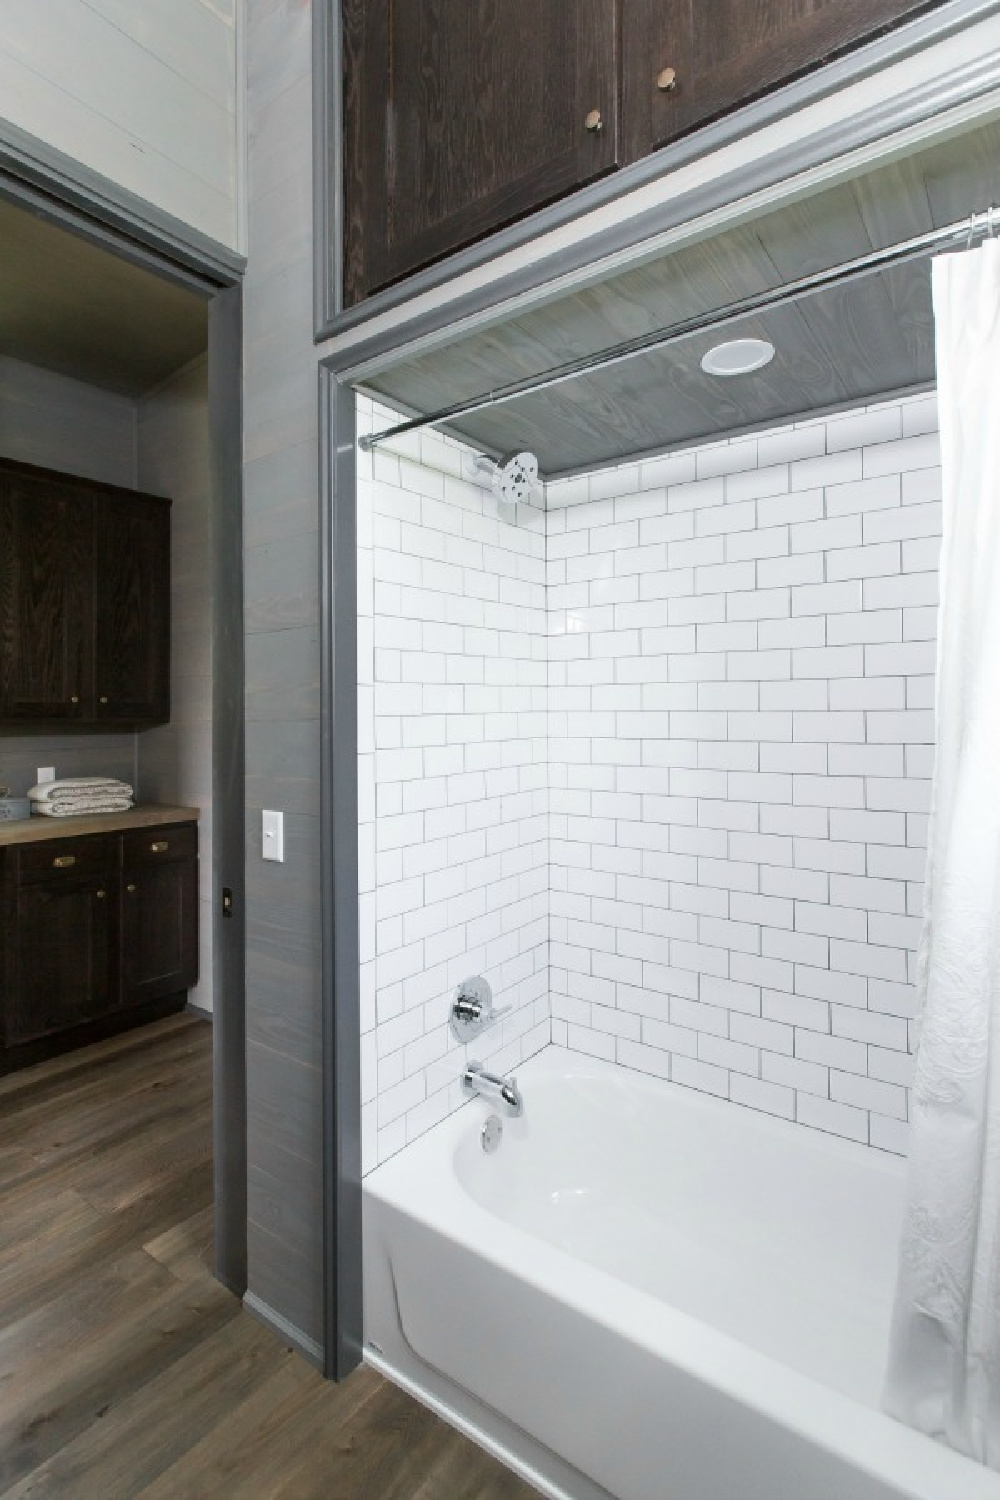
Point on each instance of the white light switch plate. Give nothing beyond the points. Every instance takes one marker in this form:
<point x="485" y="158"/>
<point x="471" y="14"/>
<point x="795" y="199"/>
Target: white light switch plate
<point x="273" y="834"/>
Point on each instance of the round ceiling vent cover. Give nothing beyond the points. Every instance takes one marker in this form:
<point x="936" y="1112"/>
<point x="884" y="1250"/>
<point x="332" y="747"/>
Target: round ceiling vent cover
<point x="737" y="357"/>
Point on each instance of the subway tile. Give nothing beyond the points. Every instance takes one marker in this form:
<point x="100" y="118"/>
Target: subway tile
<point x="635" y="778"/>
<point x="795" y="1073"/>
<point x="833" y="1117"/>
<point x="756" y="1093"/>
<point x="700" y="1075"/>
<point x="834" y="468"/>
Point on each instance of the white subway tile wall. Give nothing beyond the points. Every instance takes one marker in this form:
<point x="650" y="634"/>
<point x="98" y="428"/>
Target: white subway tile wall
<point x="741" y="663"/>
<point x="453" y="789"/>
<point x="656" y="761"/>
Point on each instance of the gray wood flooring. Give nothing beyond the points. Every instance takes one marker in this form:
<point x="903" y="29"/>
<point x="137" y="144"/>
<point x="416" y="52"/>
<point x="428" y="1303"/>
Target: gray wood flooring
<point x="125" y="1368"/>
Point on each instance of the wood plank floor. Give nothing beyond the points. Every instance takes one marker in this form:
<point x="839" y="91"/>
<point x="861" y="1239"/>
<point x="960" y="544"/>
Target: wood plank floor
<point x="125" y="1368"/>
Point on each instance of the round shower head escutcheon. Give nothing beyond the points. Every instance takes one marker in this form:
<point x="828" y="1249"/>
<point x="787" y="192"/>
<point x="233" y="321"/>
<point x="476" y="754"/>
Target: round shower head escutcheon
<point x="512" y="478"/>
<point x="515" y="477"/>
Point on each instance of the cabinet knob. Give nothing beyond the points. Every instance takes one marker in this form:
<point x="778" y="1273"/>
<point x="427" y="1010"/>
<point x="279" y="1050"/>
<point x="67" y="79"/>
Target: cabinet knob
<point x="130" y="888"/>
<point x="100" y="895"/>
<point x="666" y="80"/>
<point x="159" y="846"/>
<point x="593" y="122"/>
<point x="103" y="698"/>
<point x="75" y="698"/>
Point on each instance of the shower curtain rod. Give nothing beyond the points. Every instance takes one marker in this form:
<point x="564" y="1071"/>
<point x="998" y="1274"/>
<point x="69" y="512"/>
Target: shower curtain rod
<point x="977" y="225"/>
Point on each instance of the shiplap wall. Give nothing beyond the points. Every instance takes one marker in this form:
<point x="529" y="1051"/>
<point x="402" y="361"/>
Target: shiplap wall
<point x="281" y="592"/>
<point x="175" y="759"/>
<point x="144" y="93"/>
<point x="741" y="736"/>
<point x="59" y="423"/>
<point x="453" y="846"/>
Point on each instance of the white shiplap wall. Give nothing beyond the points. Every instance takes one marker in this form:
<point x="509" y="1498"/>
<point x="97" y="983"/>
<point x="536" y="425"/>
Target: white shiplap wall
<point x="175" y="759"/>
<point x="143" y="91"/>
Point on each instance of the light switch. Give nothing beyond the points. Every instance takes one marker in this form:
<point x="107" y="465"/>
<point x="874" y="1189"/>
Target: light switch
<point x="273" y="830"/>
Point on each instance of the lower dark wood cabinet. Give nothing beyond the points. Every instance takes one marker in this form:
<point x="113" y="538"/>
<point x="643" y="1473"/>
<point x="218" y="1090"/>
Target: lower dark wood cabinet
<point x="65" y="940"/>
<point x="159" y="913"/>
<point x="99" y="933"/>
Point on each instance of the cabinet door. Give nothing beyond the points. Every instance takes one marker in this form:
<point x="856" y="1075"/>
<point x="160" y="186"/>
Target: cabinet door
<point x="132" y="610"/>
<point x="160" y="920"/>
<point x="46" y="567"/>
<point x="728" y="52"/>
<point x="65" y="939"/>
<point x="461" y="116"/>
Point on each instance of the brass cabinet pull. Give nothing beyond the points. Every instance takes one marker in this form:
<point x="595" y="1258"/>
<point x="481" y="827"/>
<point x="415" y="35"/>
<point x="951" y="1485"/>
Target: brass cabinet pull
<point x="666" y="80"/>
<point x="103" y="698"/>
<point x="75" y="698"/>
<point x="158" y="846"/>
<point x="63" y="861"/>
<point x="100" y="895"/>
<point x="130" y="888"/>
<point x="593" y="122"/>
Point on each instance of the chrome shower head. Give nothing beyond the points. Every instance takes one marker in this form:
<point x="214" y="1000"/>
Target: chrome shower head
<point x="512" y="478"/>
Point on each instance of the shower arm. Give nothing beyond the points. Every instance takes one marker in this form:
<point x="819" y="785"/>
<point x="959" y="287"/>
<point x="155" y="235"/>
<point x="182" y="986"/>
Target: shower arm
<point x="975" y="227"/>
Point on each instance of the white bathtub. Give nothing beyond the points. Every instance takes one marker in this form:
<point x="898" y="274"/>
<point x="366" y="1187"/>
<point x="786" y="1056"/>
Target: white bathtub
<point x="650" y="1294"/>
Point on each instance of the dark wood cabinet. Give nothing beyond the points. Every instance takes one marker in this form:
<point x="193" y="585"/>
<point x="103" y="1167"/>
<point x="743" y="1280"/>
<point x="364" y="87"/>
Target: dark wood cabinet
<point x="159" y="913"/>
<point x="64" y="961"/>
<point x="84" y="602"/>
<point x="99" y="932"/>
<point x="462" y="117"/>
<point x="46" y="569"/>
<point x="685" y="62"/>
<point x="132" y="610"/>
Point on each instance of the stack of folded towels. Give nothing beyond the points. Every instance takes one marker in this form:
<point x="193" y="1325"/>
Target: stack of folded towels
<point x="76" y="796"/>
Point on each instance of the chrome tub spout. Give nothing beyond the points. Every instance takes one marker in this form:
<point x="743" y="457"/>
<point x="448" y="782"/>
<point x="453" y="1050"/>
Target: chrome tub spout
<point x="476" y="1080"/>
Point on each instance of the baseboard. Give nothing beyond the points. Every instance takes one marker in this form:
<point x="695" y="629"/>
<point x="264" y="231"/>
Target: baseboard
<point x="299" y="1341"/>
<point x="198" y="1010"/>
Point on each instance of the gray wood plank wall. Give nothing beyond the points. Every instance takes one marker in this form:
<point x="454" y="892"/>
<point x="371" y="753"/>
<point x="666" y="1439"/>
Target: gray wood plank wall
<point x="175" y="759"/>
<point x="284" y="1096"/>
<point x="60" y="423"/>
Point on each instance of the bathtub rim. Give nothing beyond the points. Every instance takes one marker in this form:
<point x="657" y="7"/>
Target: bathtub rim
<point x="876" y="1442"/>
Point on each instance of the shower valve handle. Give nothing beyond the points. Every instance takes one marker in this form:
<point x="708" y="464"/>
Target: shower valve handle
<point x="472" y="1009"/>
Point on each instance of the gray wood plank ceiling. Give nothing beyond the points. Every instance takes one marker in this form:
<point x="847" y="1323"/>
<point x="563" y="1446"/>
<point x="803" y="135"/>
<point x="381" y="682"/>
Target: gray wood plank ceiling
<point x="849" y="344"/>
<point x="69" y="306"/>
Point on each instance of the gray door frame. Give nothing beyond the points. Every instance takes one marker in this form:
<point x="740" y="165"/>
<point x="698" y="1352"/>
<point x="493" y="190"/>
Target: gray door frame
<point x="54" y="186"/>
<point x="341" y="963"/>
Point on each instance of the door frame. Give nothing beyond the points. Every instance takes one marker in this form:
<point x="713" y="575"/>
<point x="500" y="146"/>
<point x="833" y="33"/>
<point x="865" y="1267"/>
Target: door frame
<point x="55" y="187"/>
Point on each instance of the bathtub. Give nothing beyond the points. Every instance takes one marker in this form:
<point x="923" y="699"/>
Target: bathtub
<point x="650" y="1294"/>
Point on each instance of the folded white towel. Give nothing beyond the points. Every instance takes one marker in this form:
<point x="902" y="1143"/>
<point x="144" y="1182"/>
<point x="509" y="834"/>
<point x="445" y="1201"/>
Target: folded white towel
<point x="81" y="808"/>
<point x="72" y="787"/>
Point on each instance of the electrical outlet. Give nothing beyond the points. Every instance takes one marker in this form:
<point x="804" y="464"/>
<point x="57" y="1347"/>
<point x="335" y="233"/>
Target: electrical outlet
<point x="273" y="834"/>
<point x="45" y="773"/>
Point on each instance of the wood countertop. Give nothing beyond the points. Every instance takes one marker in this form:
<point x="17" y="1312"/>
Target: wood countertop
<point x="36" y="830"/>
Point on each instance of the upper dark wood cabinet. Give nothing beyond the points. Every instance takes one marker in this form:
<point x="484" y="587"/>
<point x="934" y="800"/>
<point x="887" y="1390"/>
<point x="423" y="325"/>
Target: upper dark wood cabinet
<point x="462" y="115"/>
<point x="46" y="569"/>
<point x="132" y="609"/>
<point x="84" y="602"/>
<point x="685" y="62"/>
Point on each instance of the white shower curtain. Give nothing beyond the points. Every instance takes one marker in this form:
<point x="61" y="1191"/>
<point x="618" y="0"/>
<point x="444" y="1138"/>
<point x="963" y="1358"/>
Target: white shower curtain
<point x="944" y="1362"/>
